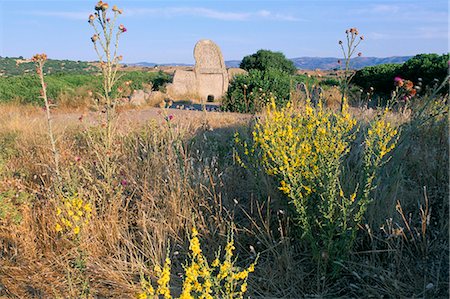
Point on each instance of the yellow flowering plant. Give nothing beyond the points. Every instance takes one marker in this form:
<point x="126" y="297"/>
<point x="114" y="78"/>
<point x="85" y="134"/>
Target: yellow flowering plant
<point x="305" y="151"/>
<point x="202" y="279"/>
<point x="73" y="214"/>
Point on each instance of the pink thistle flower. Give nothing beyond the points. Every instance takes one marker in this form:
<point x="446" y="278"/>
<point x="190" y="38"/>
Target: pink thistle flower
<point x="124" y="182"/>
<point x="122" y="28"/>
<point x="398" y="81"/>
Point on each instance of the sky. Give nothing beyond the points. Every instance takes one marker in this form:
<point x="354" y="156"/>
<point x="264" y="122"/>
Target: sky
<point x="166" y="31"/>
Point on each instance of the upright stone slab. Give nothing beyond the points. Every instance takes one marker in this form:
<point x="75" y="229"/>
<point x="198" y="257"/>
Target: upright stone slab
<point x="209" y="78"/>
<point x="210" y="71"/>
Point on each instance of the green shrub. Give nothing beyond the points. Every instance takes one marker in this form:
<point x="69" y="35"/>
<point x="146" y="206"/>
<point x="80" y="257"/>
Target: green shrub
<point x="425" y="66"/>
<point x="381" y="77"/>
<point x="250" y="92"/>
<point x="265" y="59"/>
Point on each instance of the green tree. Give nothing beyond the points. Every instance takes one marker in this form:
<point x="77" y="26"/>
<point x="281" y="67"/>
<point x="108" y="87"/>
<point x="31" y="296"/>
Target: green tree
<point x="249" y="93"/>
<point x="265" y="59"/>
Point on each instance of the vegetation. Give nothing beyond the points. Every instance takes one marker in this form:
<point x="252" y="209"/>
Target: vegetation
<point x="430" y="68"/>
<point x="264" y="60"/>
<point x="15" y="66"/>
<point x="25" y="88"/>
<point x="305" y="151"/>
<point x="251" y="92"/>
<point x="308" y="200"/>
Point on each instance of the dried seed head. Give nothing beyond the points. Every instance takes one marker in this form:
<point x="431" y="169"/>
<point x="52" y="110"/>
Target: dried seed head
<point x="99" y="5"/>
<point x="94" y="38"/>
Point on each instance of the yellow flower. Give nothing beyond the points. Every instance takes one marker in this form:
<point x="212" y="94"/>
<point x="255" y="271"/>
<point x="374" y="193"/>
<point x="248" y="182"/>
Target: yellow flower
<point x="58" y="227"/>
<point x="142" y="295"/>
<point x="76" y="230"/>
<point x="195" y="245"/>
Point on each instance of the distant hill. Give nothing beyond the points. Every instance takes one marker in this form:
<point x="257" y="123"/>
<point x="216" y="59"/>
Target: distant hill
<point x="13" y="66"/>
<point x="306" y="63"/>
<point x="153" y="64"/>
<point x="329" y="63"/>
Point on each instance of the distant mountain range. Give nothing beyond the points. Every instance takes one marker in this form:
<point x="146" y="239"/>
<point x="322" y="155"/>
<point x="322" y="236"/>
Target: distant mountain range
<point x="329" y="63"/>
<point x="308" y="63"/>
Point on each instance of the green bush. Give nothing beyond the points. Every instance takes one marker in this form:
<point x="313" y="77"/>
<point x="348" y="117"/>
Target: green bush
<point x="381" y="77"/>
<point x="425" y="66"/>
<point x="250" y="92"/>
<point x="265" y="59"/>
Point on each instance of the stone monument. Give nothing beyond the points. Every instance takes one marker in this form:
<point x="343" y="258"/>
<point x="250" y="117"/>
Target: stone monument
<point x="209" y="77"/>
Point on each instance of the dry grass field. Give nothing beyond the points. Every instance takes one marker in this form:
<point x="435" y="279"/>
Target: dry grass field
<point x="170" y="175"/>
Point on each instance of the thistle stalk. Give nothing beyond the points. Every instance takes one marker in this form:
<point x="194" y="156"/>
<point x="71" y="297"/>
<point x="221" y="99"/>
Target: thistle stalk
<point x="40" y="59"/>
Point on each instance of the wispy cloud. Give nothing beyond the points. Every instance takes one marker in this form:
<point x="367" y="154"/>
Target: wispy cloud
<point x="68" y="15"/>
<point x="421" y="33"/>
<point x="168" y="12"/>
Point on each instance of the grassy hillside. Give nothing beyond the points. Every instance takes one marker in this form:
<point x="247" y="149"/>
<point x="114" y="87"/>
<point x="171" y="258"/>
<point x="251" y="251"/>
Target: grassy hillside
<point x="14" y="66"/>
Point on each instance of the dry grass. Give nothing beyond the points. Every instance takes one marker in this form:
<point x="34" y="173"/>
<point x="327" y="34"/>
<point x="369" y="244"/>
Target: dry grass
<point x="169" y="178"/>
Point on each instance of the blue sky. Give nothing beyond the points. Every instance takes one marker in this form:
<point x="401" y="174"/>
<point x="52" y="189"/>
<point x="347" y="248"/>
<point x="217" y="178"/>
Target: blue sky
<point x="166" y="31"/>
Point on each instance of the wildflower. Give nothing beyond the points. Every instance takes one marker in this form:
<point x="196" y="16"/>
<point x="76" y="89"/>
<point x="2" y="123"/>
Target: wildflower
<point x="94" y="38"/>
<point x="76" y="230"/>
<point x="58" y="227"/>
<point x="398" y="81"/>
<point x="115" y="9"/>
<point x="77" y="158"/>
<point x="359" y="54"/>
<point x="105" y="6"/>
<point x="91" y="18"/>
<point x="119" y="58"/>
<point x="122" y="28"/>
<point x="361" y="37"/>
<point x="124" y="182"/>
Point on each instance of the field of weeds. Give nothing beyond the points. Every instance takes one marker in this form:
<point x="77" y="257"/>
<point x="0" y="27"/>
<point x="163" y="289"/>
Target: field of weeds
<point x="171" y="174"/>
<point x="302" y="198"/>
